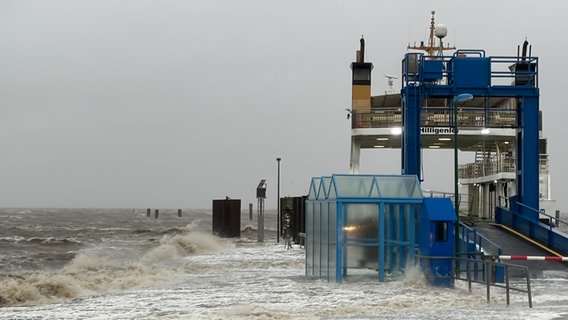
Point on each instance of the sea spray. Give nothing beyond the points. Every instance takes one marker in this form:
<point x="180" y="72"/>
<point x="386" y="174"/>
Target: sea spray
<point x="415" y="277"/>
<point x="181" y="245"/>
<point x="37" y="288"/>
<point x="100" y="270"/>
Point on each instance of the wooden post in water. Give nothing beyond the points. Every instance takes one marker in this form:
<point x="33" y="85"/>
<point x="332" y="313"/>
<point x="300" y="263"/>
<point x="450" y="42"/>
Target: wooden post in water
<point x="148" y="211"/>
<point x="179" y="213"/>
<point x="156" y="213"/>
<point x="250" y="211"/>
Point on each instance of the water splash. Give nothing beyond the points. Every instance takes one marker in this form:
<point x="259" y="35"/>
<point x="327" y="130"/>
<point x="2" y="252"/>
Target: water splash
<point x="107" y="269"/>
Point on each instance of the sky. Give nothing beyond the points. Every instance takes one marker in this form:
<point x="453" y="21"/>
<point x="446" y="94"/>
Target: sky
<point x="171" y="104"/>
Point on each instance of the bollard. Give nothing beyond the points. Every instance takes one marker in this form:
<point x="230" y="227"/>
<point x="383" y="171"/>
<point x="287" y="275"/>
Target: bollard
<point x="557" y="221"/>
<point x="148" y="212"/>
<point x="156" y="214"/>
<point x="250" y="211"/>
<point x="179" y="213"/>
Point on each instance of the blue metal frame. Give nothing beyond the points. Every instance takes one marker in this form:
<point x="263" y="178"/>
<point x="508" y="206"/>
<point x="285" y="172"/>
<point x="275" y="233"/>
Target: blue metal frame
<point x="340" y="244"/>
<point x="527" y="157"/>
<point x="381" y="241"/>
<point x="475" y="74"/>
<point x="411" y="144"/>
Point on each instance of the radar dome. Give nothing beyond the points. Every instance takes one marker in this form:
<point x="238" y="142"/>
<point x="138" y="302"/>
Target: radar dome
<point x="441" y="31"/>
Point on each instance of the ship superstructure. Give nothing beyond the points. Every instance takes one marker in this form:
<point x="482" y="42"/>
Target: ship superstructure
<point x="489" y="123"/>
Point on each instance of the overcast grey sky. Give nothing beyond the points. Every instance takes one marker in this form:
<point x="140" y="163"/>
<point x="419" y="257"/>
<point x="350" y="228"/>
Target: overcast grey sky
<point x="175" y="103"/>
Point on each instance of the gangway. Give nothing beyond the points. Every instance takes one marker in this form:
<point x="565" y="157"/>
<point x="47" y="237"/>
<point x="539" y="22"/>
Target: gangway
<point x="512" y="244"/>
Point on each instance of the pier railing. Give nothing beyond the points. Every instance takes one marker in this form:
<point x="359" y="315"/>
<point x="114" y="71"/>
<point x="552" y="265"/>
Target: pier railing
<point x="483" y="272"/>
<point x="476" y="243"/>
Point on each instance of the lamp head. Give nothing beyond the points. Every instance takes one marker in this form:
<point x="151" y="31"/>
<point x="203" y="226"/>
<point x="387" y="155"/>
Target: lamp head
<point x="463" y="97"/>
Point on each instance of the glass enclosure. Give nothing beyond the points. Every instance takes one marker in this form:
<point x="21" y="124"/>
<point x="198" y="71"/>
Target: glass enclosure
<point x="361" y="225"/>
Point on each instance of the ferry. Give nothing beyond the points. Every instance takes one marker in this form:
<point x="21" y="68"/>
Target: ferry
<point x="488" y="128"/>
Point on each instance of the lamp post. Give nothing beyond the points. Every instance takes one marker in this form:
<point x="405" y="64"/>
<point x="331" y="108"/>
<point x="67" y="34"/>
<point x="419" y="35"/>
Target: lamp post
<point x="278" y="204"/>
<point x="457" y="100"/>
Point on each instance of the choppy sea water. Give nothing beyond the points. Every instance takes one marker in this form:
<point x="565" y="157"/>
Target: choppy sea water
<point x="121" y="264"/>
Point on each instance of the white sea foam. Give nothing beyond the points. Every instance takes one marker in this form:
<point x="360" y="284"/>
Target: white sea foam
<point x="265" y="281"/>
<point x="182" y="245"/>
<point x="186" y="275"/>
<point x="106" y="269"/>
<point x="414" y="277"/>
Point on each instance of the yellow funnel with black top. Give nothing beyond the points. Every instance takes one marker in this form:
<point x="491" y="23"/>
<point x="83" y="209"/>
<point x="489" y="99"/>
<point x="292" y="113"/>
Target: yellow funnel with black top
<point x="361" y="88"/>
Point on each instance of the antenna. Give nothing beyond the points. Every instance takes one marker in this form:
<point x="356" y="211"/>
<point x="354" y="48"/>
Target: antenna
<point x="440" y="31"/>
<point x="390" y="88"/>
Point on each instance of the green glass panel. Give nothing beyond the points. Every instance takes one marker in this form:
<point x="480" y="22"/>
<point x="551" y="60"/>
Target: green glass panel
<point x="353" y="186"/>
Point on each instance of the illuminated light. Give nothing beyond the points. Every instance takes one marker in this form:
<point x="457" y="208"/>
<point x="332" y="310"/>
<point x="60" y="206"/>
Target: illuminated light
<point x="484" y="131"/>
<point x="350" y="228"/>
<point x="377" y="146"/>
<point x="382" y="139"/>
<point x="434" y="147"/>
<point x="506" y="142"/>
<point x="444" y="139"/>
<point x="396" y="131"/>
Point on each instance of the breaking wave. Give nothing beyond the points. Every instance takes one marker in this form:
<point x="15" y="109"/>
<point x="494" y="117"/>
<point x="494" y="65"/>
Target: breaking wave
<point x="415" y="277"/>
<point x="101" y="270"/>
<point x="177" y="246"/>
<point x="40" y="241"/>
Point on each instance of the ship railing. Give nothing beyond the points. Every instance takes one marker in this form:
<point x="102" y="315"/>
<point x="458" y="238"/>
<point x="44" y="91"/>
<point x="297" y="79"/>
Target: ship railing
<point x="436" y="117"/>
<point x="485" y="168"/>
<point x="492" y="166"/>
<point x="519" y="71"/>
<point x="376" y="118"/>
<point x="502" y="71"/>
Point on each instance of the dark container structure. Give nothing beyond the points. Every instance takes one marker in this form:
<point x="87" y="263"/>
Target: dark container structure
<point x="293" y="216"/>
<point x="227" y="218"/>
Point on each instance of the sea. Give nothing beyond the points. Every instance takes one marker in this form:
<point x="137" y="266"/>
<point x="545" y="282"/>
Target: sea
<point x="124" y="264"/>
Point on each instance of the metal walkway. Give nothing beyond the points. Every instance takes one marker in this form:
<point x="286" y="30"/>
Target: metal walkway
<point x="512" y="244"/>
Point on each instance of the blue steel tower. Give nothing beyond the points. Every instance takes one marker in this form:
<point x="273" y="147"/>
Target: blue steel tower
<point x="442" y="78"/>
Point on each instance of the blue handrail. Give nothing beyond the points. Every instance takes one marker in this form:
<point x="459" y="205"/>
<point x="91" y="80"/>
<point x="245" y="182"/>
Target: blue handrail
<point x="478" y="241"/>
<point x="542" y="213"/>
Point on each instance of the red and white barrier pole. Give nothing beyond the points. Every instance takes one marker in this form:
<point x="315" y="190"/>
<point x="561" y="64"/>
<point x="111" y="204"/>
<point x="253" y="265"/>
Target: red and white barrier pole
<point x="537" y="258"/>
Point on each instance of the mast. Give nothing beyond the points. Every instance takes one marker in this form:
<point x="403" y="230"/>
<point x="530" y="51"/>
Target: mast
<point x="438" y="31"/>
